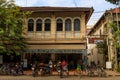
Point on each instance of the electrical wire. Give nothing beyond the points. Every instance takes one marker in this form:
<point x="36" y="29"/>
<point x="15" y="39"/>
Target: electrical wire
<point x="99" y="12"/>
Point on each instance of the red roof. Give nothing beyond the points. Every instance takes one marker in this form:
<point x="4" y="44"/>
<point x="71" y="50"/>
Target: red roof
<point x="114" y="10"/>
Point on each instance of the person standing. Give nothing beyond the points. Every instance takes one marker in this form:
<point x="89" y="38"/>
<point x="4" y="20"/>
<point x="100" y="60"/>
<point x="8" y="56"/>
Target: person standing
<point x="79" y="67"/>
<point x="50" y="64"/>
<point x="65" y="67"/>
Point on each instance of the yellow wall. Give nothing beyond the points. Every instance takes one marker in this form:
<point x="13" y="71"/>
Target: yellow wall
<point x="38" y="38"/>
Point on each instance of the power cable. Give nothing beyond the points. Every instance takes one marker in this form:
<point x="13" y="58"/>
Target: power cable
<point x="98" y="11"/>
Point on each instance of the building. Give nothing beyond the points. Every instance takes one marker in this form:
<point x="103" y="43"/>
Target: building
<point x="56" y="33"/>
<point x="102" y="31"/>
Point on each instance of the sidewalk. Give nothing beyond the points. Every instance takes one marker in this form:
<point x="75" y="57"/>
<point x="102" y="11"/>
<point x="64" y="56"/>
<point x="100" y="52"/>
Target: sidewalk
<point x="109" y="73"/>
<point x="112" y="73"/>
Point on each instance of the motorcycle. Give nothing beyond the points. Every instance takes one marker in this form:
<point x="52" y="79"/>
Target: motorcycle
<point x="45" y="70"/>
<point x="35" y="71"/>
<point x="59" y="69"/>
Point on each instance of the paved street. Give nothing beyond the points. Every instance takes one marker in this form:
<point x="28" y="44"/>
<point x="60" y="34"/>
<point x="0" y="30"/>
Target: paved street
<point x="111" y="75"/>
<point x="56" y="78"/>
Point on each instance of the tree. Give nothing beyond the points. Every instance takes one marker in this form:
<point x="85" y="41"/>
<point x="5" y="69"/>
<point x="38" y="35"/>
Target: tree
<point x="116" y="33"/>
<point x="103" y="49"/>
<point x="116" y="43"/>
<point x="113" y="1"/>
<point x="11" y="28"/>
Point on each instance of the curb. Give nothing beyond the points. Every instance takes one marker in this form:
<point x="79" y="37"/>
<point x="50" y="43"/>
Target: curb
<point x="113" y="75"/>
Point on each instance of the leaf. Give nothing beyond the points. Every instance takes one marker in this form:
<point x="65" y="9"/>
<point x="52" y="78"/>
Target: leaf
<point x="11" y="28"/>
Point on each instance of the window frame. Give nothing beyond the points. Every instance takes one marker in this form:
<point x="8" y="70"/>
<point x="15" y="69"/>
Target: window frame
<point x="31" y="25"/>
<point x="59" y="25"/>
<point x="68" y="25"/>
<point x="77" y="24"/>
<point x="47" y="25"/>
<point x="38" y="25"/>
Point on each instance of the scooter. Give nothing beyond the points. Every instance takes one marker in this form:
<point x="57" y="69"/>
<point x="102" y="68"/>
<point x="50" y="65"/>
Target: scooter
<point x="59" y="69"/>
<point x="45" y="70"/>
<point x="35" y="71"/>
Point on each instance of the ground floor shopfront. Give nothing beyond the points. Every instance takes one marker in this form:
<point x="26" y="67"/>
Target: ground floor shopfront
<point x="56" y="55"/>
<point x="42" y="53"/>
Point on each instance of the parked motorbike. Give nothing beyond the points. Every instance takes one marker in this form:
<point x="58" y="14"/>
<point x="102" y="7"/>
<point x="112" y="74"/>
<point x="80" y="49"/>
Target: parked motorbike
<point x="34" y="70"/>
<point x="59" y="69"/>
<point x="45" y="70"/>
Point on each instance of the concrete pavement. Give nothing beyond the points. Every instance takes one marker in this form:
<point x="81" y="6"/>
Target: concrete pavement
<point x="111" y="75"/>
<point x="24" y="77"/>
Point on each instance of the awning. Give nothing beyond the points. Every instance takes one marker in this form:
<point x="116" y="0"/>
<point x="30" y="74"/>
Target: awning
<point x="80" y="51"/>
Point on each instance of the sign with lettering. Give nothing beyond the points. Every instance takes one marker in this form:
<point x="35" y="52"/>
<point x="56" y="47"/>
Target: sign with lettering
<point x="56" y="51"/>
<point x="108" y="65"/>
<point x="95" y="40"/>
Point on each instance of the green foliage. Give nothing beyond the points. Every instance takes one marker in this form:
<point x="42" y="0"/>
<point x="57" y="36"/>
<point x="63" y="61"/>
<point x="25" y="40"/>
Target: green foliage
<point x="112" y="1"/>
<point x="11" y="28"/>
<point x="116" y="34"/>
<point x="103" y="49"/>
<point x="118" y="68"/>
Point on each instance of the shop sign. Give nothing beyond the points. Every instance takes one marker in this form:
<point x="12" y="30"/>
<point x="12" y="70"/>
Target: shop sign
<point x="25" y="63"/>
<point x="1" y="59"/>
<point x="56" y="51"/>
<point x="95" y="40"/>
<point x="108" y="65"/>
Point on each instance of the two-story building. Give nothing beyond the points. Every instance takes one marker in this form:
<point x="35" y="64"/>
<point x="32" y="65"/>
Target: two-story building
<point x="102" y="29"/>
<point x="56" y="33"/>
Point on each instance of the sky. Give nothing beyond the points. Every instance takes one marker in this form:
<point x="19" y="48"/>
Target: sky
<point x="99" y="6"/>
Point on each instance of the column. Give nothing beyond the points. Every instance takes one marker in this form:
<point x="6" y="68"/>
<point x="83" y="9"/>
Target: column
<point x="53" y="57"/>
<point x="53" y="27"/>
<point x="72" y="28"/>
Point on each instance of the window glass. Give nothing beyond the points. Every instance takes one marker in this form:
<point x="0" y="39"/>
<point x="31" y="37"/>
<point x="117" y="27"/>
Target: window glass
<point x="68" y="25"/>
<point x="39" y="25"/>
<point x="30" y="25"/>
<point x="47" y="25"/>
<point x="59" y="25"/>
<point x="76" y="25"/>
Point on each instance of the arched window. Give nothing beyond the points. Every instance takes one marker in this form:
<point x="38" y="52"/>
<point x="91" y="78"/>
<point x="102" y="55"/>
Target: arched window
<point x="30" y="25"/>
<point x="39" y="25"/>
<point x="47" y="25"/>
<point x="59" y="24"/>
<point x="68" y="25"/>
<point x="76" y="25"/>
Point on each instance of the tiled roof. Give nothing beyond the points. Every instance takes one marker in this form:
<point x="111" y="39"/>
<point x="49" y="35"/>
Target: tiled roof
<point x="56" y="9"/>
<point x="114" y="10"/>
<point x="87" y="10"/>
<point x="102" y="17"/>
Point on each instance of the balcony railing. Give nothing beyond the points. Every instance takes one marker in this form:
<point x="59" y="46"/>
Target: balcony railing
<point x="57" y="36"/>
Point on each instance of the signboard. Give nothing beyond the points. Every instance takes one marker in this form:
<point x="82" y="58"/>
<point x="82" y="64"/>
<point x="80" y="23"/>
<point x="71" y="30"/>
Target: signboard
<point x="108" y="65"/>
<point x="95" y="40"/>
<point x="1" y="59"/>
<point x="25" y="63"/>
<point x="56" y="51"/>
